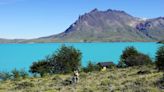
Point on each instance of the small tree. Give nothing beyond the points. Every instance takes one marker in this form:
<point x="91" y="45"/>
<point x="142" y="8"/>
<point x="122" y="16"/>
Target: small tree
<point x="128" y="52"/>
<point x="66" y="60"/>
<point x="131" y="57"/>
<point x="140" y="59"/>
<point x="41" y="67"/>
<point x="160" y="58"/>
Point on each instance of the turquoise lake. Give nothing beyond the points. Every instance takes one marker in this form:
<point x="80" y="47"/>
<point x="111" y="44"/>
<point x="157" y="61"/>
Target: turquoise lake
<point x="21" y="56"/>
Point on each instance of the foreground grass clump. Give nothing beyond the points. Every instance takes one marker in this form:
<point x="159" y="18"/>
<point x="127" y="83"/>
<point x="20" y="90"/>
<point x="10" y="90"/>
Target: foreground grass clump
<point x="132" y="79"/>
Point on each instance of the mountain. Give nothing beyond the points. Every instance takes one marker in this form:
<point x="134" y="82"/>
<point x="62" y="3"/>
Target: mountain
<point x="109" y="26"/>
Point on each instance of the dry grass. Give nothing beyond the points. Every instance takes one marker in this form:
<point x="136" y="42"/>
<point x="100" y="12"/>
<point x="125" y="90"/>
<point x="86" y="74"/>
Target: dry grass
<point x="112" y="80"/>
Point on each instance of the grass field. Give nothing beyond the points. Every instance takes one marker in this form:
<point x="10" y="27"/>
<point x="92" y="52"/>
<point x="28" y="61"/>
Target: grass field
<point x="132" y="79"/>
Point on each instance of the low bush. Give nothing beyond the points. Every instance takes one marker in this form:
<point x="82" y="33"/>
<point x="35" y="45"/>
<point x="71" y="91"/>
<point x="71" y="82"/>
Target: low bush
<point x="19" y="74"/>
<point x="5" y="76"/>
<point x="15" y="74"/>
<point x="131" y="57"/>
<point x="160" y="58"/>
<point x="121" y="64"/>
<point x="112" y="66"/>
<point x="91" y="67"/>
<point x="41" y="67"/>
<point x="23" y="74"/>
<point x="140" y="59"/>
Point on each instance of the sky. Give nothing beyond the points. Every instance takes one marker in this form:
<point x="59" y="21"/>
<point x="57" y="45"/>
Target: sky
<point x="38" y="18"/>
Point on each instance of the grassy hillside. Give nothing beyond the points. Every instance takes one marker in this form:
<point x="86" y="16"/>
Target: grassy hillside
<point x="133" y="79"/>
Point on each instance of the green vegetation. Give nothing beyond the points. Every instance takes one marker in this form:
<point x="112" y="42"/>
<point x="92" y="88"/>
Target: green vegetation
<point x="14" y="75"/>
<point x="91" y="67"/>
<point x="112" y="80"/>
<point x="5" y="76"/>
<point x="131" y="57"/>
<point x="137" y="74"/>
<point x="40" y="67"/>
<point x="160" y="58"/>
<point x="65" y="60"/>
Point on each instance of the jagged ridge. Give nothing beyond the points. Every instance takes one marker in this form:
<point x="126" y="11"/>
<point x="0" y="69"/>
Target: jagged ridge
<point x="111" y="25"/>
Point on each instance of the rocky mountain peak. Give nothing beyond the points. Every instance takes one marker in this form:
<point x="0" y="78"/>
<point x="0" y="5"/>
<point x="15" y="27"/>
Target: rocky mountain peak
<point x="111" y="25"/>
<point x="94" y="10"/>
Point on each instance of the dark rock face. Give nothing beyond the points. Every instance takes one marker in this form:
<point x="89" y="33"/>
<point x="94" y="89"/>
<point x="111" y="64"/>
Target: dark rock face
<point x="153" y="28"/>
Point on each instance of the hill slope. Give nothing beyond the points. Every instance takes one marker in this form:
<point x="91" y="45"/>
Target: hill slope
<point x="113" y="80"/>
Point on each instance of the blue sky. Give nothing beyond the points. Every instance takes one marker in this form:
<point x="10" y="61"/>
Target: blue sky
<point x="37" y="18"/>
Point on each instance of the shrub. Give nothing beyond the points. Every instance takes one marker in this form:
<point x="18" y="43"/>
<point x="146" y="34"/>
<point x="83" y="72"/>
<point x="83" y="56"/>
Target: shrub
<point x="41" y="67"/>
<point x="23" y="73"/>
<point x="160" y="58"/>
<point x="131" y="57"/>
<point x="5" y="76"/>
<point x="15" y="74"/>
<point x="121" y="64"/>
<point x="91" y="67"/>
<point x="111" y="66"/>
<point x="140" y="59"/>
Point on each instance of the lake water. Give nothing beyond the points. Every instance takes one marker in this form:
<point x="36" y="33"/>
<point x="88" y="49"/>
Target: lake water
<point x="23" y="55"/>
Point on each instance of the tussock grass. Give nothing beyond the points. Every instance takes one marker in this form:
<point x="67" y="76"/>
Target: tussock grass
<point x="132" y="79"/>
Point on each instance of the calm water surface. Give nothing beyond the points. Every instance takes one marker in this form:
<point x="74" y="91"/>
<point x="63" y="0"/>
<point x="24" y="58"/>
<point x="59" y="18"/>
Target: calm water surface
<point x="22" y="55"/>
